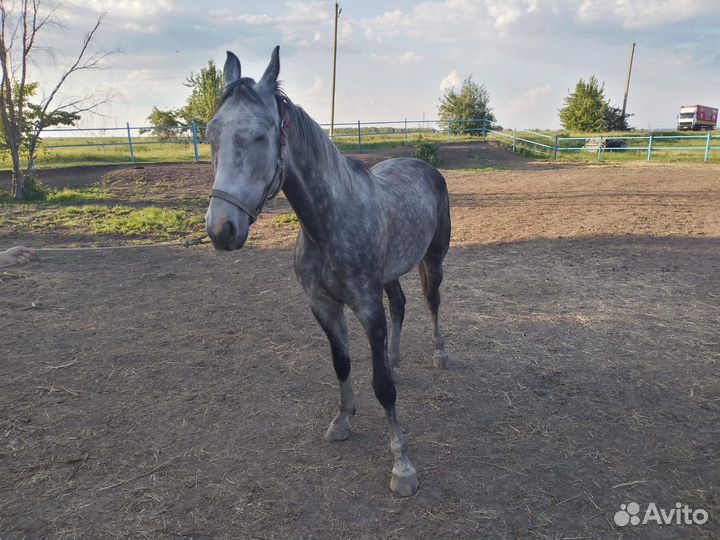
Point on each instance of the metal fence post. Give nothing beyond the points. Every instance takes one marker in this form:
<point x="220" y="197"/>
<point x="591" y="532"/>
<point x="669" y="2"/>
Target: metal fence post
<point x="707" y="148"/>
<point x="359" y="137"/>
<point x="132" y="153"/>
<point x="650" y="141"/>
<point x="514" y="139"/>
<point x="449" y="128"/>
<point x="195" y="141"/>
<point x="555" y="147"/>
<point x="406" y="131"/>
<point x="484" y="128"/>
<point x="600" y="143"/>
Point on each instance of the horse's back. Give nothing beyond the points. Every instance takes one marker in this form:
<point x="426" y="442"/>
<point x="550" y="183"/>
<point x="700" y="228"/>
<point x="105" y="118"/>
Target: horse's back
<point x="416" y="210"/>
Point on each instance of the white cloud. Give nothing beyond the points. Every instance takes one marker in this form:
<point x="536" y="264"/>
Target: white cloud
<point x="642" y="13"/>
<point x="505" y="13"/>
<point x="452" y="80"/>
<point x="135" y="9"/>
<point x="345" y="32"/>
<point x="409" y="57"/>
<point x="530" y="100"/>
<point x="317" y="36"/>
<point x="297" y="13"/>
<point x="318" y="84"/>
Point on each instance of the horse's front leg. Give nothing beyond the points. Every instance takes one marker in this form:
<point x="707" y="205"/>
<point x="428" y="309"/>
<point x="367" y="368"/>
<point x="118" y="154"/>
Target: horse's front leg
<point x="372" y="316"/>
<point x="332" y="320"/>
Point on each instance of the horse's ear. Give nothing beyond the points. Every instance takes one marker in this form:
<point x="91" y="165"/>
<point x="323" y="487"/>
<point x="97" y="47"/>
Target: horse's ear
<point x="231" y="71"/>
<point x="269" y="78"/>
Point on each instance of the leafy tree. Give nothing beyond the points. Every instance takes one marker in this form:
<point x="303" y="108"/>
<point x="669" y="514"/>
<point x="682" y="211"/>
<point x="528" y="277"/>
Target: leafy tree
<point x="34" y="119"/>
<point x="207" y="88"/>
<point x="472" y="102"/>
<point x="165" y="124"/>
<point x="586" y="109"/>
<point x="23" y="27"/>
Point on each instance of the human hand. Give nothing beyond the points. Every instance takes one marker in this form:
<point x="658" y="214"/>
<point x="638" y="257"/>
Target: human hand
<point x="17" y="255"/>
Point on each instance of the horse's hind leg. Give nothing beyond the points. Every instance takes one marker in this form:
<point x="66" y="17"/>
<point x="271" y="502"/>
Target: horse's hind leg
<point x="396" y="299"/>
<point x="431" y="276"/>
<point x="332" y="320"/>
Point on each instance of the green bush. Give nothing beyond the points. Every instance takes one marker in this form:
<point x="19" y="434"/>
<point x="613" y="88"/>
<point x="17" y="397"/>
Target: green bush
<point x="428" y="151"/>
<point x="34" y="189"/>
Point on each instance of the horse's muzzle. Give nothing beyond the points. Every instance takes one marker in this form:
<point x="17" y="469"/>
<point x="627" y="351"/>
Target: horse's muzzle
<point x="228" y="238"/>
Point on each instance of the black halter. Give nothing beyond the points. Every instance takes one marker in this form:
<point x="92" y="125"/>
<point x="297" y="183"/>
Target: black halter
<point x="274" y="186"/>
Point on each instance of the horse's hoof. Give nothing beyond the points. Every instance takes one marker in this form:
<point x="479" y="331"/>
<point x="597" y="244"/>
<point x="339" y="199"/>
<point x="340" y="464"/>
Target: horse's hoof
<point x="404" y="482"/>
<point x="339" y="430"/>
<point x="440" y="359"/>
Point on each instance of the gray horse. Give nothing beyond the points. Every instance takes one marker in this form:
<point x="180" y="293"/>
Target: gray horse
<point x="361" y="229"/>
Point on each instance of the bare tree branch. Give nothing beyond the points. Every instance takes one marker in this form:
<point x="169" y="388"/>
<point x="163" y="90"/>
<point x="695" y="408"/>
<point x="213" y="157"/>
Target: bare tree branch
<point x="19" y="30"/>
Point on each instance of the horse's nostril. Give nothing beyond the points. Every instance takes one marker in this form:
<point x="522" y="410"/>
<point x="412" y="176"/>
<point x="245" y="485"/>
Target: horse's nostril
<point x="226" y="233"/>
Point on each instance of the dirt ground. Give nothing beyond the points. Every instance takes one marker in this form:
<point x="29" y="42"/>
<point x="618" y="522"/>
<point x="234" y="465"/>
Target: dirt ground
<point x="165" y="392"/>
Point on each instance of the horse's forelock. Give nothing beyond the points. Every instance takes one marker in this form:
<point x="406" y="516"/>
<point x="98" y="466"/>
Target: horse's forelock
<point x="241" y="88"/>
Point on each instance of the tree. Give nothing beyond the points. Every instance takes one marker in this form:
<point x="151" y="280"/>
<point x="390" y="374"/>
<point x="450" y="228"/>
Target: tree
<point x="21" y="26"/>
<point x="586" y="109"/>
<point x="207" y="88"/>
<point x="166" y="124"/>
<point x="472" y="102"/>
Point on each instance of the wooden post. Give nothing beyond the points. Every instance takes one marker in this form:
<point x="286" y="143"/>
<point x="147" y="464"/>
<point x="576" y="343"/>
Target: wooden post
<point x="650" y="143"/>
<point x="555" y="147"/>
<point x="359" y="137"/>
<point x="332" y="106"/>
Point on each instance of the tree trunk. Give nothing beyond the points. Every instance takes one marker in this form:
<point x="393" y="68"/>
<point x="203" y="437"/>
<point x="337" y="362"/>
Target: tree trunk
<point x="18" y="176"/>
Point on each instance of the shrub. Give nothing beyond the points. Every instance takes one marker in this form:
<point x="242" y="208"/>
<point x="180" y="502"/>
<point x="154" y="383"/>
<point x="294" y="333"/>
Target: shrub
<point x="34" y="189"/>
<point x="428" y="151"/>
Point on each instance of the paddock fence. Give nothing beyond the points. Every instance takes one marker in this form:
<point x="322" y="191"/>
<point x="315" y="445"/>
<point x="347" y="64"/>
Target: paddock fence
<point x="145" y="144"/>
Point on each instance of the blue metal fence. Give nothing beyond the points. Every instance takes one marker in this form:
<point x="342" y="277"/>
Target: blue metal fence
<point x="360" y="134"/>
<point x="599" y="145"/>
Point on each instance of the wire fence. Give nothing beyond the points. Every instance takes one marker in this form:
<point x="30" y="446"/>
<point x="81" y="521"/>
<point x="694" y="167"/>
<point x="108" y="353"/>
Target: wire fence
<point x="141" y="144"/>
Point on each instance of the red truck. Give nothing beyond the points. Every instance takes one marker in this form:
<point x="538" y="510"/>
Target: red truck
<point x="695" y="117"/>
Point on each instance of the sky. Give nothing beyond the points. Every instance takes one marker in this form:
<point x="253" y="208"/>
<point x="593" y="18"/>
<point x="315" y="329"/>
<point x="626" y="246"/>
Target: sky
<point x="396" y="58"/>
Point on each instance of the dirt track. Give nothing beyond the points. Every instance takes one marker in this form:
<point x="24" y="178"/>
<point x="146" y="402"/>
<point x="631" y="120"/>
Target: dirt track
<point x="171" y="393"/>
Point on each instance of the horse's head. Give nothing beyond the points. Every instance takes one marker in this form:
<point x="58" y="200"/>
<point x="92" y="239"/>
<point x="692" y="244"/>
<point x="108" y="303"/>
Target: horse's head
<point x="246" y="139"/>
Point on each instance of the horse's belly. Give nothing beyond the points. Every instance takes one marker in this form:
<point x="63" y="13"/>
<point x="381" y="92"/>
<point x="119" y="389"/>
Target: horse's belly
<point x="404" y="254"/>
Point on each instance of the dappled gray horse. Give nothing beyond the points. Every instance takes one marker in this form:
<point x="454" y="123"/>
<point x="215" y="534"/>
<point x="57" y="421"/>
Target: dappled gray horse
<point x="361" y="229"/>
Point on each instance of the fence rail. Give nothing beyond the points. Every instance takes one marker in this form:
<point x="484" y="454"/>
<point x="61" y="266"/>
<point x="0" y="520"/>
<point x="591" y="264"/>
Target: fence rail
<point x="69" y="146"/>
<point x="604" y="145"/>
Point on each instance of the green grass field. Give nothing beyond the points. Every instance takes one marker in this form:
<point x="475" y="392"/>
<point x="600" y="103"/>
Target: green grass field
<point x="100" y="212"/>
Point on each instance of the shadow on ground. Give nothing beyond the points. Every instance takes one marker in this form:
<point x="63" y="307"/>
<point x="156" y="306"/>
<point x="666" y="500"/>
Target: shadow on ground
<point x="173" y="393"/>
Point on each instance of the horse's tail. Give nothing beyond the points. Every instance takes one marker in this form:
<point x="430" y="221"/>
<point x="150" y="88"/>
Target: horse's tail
<point x="440" y="243"/>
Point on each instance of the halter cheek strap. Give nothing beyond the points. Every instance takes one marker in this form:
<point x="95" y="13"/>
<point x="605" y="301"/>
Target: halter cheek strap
<point x="277" y="182"/>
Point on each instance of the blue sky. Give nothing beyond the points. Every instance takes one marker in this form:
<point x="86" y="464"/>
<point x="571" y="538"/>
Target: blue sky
<point x="396" y="57"/>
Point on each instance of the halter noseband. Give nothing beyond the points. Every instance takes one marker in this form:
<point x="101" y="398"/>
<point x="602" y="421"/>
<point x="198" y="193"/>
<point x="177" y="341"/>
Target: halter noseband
<point x="278" y="178"/>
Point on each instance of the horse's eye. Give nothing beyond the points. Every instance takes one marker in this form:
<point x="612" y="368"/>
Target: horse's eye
<point x="259" y="138"/>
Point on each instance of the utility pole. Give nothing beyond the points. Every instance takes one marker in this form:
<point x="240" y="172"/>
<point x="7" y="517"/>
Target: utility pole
<point x="338" y="11"/>
<point x="627" y="84"/>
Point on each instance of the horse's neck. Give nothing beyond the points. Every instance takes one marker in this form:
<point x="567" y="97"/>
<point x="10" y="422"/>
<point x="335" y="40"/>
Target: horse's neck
<point x="313" y="186"/>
